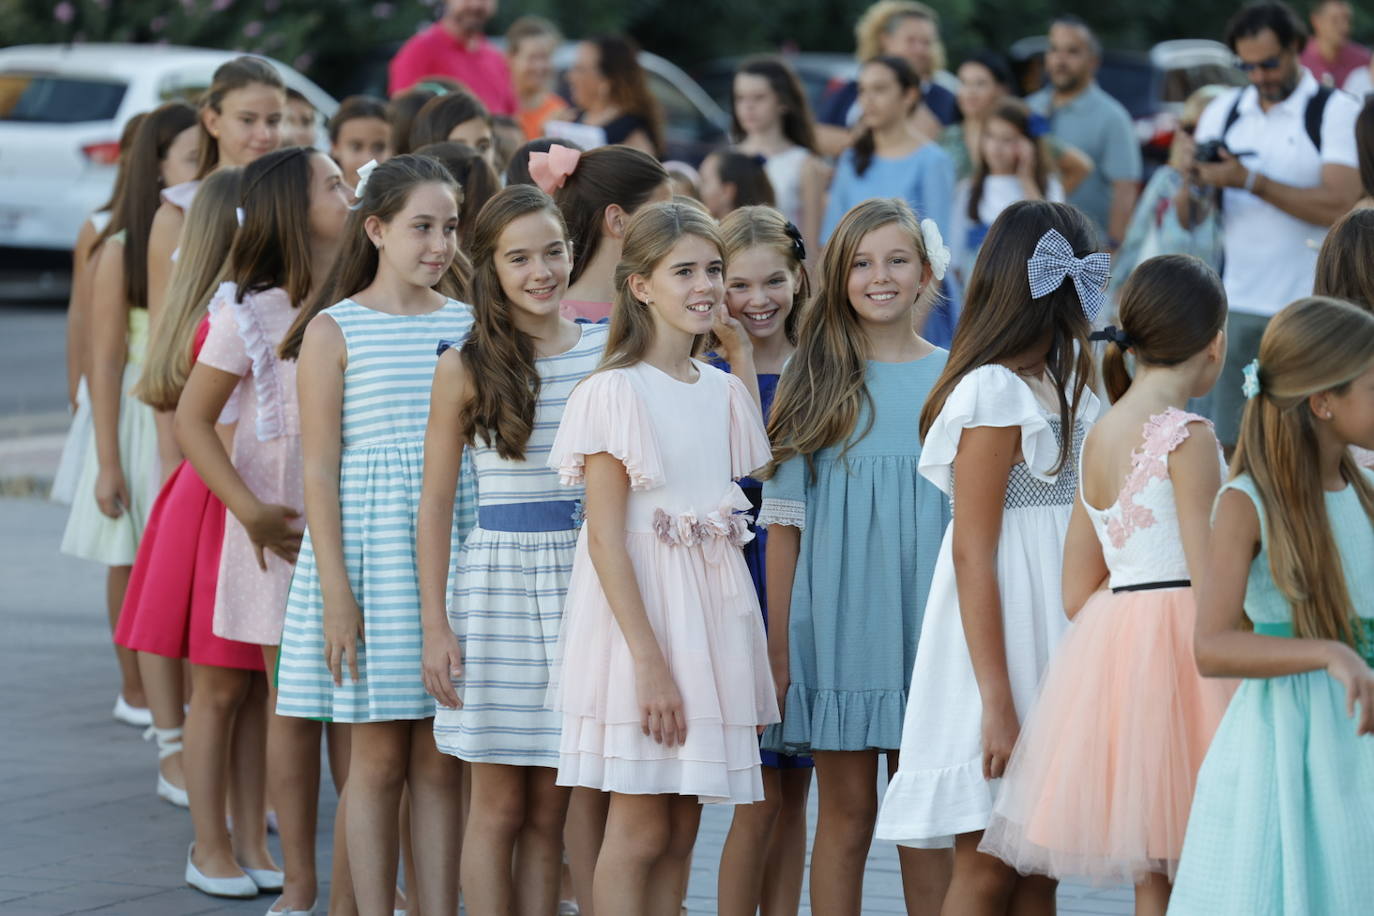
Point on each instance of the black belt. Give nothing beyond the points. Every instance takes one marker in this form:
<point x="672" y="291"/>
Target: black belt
<point x="1151" y="586"/>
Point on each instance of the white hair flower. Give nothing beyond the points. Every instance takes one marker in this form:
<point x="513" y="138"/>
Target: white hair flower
<point x="938" y="254"/>
<point x="364" y="172"/>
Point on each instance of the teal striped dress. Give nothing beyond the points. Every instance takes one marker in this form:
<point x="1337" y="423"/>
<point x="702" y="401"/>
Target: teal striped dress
<point x="513" y="574"/>
<point x="390" y="370"/>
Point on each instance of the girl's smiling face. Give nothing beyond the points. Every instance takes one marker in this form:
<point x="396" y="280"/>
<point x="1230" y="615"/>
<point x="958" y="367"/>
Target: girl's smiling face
<point x="760" y="288"/>
<point x="421" y="241"/>
<point x="248" y="123"/>
<point x="887" y="276"/>
<point x="685" y="286"/>
<point x="533" y="263"/>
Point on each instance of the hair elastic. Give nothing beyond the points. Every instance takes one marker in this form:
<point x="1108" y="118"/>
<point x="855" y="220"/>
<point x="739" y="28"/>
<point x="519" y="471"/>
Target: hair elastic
<point x="1251" y="386"/>
<point x="1113" y="334"/>
<point x="798" y="244"/>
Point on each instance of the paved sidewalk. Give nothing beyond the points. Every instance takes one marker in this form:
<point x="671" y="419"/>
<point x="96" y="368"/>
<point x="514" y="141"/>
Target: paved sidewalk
<point x="82" y="830"/>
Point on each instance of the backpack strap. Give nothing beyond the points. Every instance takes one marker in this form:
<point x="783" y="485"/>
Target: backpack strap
<point x="1312" y="115"/>
<point x="1233" y="115"/>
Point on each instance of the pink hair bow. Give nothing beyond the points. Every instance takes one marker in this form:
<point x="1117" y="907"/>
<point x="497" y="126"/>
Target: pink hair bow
<point x="549" y="170"/>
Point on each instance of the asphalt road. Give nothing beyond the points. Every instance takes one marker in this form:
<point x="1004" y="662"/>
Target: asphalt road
<point x="33" y="375"/>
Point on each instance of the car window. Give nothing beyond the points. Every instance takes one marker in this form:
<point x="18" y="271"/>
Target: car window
<point x="51" y="99"/>
<point x="679" y="113"/>
<point x="1133" y="85"/>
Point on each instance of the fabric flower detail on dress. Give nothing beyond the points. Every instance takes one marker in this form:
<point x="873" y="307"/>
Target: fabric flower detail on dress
<point x="1163" y="433"/>
<point x="1251" y="386"/>
<point x="938" y="254"/>
<point x="728" y="523"/>
<point x="579" y="513"/>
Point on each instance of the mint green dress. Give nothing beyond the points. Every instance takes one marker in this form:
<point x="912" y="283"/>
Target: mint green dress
<point x="1283" y="817"/>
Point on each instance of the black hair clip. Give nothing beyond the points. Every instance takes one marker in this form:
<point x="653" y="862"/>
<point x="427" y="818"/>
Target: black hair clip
<point x="1113" y="334"/>
<point x="798" y="245"/>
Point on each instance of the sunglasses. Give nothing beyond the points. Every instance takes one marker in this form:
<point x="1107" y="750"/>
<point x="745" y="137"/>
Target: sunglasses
<point x="1269" y="63"/>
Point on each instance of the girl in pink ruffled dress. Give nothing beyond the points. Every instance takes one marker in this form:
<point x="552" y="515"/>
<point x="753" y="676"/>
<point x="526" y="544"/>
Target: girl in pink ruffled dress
<point x="663" y="678"/>
<point x="1102" y="776"/>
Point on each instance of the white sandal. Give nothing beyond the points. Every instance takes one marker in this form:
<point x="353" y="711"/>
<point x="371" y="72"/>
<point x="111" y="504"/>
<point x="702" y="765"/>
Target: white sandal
<point x="168" y="743"/>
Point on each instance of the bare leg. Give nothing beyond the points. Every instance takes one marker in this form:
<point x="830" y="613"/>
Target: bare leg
<point x="1152" y="896"/>
<point x="496" y="818"/>
<point x="739" y="885"/>
<point x="925" y="872"/>
<point x="786" y="866"/>
<point x="981" y="884"/>
<point x="341" y="900"/>
<point x="164" y="688"/>
<point x="293" y="784"/>
<point x="639" y="833"/>
<point x="248" y="778"/>
<point x="844" y="829"/>
<point x="668" y="876"/>
<point x="215" y="702"/>
<point x="1034" y="896"/>
<point x="130" y="681"/>
<point x="436" y="792"/>
<point x="377" y="766"/>
<point x="582" y="836"/>
<point x="407" y="856"/>
<point x="539" y="852"/>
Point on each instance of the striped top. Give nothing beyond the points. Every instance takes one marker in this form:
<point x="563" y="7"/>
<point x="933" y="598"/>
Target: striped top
<point x="391" y="369"/>
<point x="501" y="482"/>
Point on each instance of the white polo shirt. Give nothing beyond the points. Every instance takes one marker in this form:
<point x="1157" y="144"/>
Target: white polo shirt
<point x="1270" y="256"/>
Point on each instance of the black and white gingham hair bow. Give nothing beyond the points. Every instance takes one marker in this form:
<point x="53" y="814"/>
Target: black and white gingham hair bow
<point x="1053" y="261"/>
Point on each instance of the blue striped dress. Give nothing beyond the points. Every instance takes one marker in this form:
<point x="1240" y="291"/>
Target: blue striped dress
<point x="390" y="370"/>
<point x="512" y="578"/>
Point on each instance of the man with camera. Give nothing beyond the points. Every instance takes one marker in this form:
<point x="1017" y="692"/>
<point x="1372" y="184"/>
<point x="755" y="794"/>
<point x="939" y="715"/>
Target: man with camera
<point x="1278" y="156"/>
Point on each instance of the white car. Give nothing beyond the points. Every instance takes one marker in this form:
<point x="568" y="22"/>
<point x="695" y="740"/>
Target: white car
<point x="62" y="108"/>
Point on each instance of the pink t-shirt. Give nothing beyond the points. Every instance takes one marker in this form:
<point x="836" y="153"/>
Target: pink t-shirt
<point x="573" y="309"/>
<point x="434" y="52"/>
<point x="1350" y="58"/>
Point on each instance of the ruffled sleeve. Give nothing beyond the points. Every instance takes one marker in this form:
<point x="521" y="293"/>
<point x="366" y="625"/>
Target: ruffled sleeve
<point x="605" y="413"/>
<point x="991" y="396"/>
<point x="749" y="449"/>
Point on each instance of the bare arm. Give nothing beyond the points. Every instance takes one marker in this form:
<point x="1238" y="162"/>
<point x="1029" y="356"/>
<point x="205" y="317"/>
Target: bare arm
<point x="78" y="309"/>
<point x="1320" y="206"/>
<point x="639" y="139"/>
<point x="1195" y="474"/>
<point x="443" y="655"/>
<point x="608" y="492"/>
<point x="815" y="179"/>
<point x="832" y="140"/>
<point x="163" y="239"/>
<point x="780" y="568"/>
<point x="1074" y="167"/>
<point x="108" y="350"/>
<point x="1085" y="571"/>
<point x="1124" y="194"/>
<point x="319" y="386"/>
<point x="269" y="527"/>
<point x="981" y="469"/>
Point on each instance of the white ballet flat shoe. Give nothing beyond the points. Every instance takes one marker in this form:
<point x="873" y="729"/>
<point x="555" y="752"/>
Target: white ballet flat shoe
<point x="137" y="716"/>
<point x="168" y="743"/>
<point x="275" y="912"/>
<point x="240" y="886"/>
<point x="266" y="879"/>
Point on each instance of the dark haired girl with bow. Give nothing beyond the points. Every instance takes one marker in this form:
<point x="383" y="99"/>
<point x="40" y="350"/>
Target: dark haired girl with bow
<point x="1001" y="429"/>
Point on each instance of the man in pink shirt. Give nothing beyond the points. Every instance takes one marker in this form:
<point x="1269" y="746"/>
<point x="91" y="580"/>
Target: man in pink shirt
<point x="456" y="47"/>
<point x="1330" y="54"/>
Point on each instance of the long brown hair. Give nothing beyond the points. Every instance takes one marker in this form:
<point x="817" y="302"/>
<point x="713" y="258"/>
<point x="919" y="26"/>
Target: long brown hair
<point x="239" y="73"/>
<point x="823" y="389"/>
<point x="388" y="188"/>
<point x="272" y="247"/>
<point x="441" y="114"/>
<point x="747" y="174"/>
<point x="1171" y="308"/>
<point x="499" y="355"/>
<point x="750" y="227"/>
<point x="650" y="237"/>
<point x="1001" y="320"/>
<point x="1014" y="112"/>
<point x="200" y="266"/>
<point x="618" y="61"/>
<point x="865" y="144"/>
<point x="604" y="176"/>
<point x="1313" y="345"/>
<point x="1345" y="265"/>
<point x="477" y="183"/>
<point x="126" y="143"/>
<point x="798" y="124"/>
<point x="135" y="208"/>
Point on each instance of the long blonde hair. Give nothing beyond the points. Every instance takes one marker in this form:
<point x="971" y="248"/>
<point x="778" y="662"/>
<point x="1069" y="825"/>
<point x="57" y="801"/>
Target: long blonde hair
<point x="1313" y="345"/>
<point x="199" y="269"/>
<point x="650" y="237"/>
<point x="823" y="391"/>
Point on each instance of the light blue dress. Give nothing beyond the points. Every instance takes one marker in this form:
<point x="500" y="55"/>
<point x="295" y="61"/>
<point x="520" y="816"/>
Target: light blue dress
<point x="925" y="179"/>
<point x="871" y="529"/>
<point x="1283" y="817"/>
<point x="513" y="572"/>
<point x="387" y="381"/>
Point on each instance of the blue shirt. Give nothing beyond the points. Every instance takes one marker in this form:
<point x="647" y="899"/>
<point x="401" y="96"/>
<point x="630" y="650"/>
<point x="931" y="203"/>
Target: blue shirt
<point x="1099" y="125"/>
<point x="924" y="179"/>
<point x="840" y="107"/>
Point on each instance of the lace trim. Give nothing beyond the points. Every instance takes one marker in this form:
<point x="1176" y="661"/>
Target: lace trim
<point x="782" y="512"/>
<point x="1164" y="432"/>
<point x="270" y="423"/>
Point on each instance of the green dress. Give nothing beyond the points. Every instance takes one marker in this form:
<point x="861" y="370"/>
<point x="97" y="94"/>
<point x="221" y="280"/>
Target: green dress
<point x="871" y="530"/>
<point x="1283" y="817"/>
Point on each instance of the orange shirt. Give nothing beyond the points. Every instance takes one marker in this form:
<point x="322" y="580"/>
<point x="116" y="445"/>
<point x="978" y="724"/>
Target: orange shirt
<point x="532" y="119"/>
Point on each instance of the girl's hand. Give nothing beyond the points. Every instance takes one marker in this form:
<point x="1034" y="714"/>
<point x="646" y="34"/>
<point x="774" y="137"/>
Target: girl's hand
<point x="1000" y="730"/>
<point x="661" y="715"/>
<point x="441" y="662"/>
<point x="1025" y="159"/>
<point x="734" y="339"/>
<point x="343" y="631"/>
<point x="270" y="527"/>
<point x="1356" y="676"/>
<point x="111" y="491"/>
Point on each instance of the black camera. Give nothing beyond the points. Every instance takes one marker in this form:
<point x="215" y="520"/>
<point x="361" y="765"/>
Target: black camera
<point x="1210" y="151"/>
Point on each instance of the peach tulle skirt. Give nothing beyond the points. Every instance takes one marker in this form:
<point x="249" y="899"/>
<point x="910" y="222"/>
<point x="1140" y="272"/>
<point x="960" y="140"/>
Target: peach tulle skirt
<point x="1102" y="776"/>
